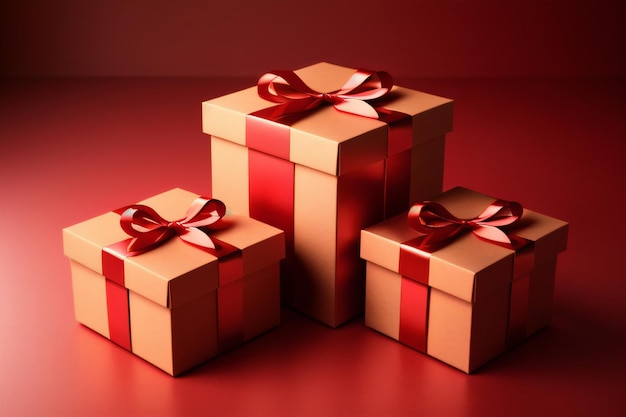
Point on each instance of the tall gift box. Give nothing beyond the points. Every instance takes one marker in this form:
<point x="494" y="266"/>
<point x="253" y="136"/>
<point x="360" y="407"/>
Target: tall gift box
<point x="189" y="292"/>
<point x="305" y="152"/>
<point x="458" y="296"/>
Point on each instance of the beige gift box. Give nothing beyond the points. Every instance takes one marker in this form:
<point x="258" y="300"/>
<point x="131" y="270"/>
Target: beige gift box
<point x="333" y="175"/>
<point x="176" y="308"/>
<point x="481" y="298"/>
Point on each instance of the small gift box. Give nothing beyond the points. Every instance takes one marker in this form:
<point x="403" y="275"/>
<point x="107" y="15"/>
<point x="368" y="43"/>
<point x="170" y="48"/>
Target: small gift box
<point x="321" y="153"/>
<point x="462" y="297"/>
<point x="175" y="292"/>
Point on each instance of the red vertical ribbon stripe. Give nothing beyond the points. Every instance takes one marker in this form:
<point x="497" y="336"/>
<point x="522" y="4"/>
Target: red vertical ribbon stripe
<point x="116" y="293"/>
<point x="271" y="192"/>
<point x="520" y="291"/>
<point x="413" y="314"/>
<point x="398" y="161"/>
<point x="230" y="309"/>
<point x="414" y="266"/>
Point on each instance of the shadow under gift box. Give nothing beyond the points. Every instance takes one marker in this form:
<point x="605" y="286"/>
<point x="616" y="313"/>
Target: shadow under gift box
<point x="481" y="298"/>
<point x="174" y="309"/>
<point x="334" y="174"/>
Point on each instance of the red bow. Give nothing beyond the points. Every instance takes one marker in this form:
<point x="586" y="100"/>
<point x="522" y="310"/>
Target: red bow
<point x="438" y="224"/>
<point x="149" y="229"/>
<point x="287" y="88"/>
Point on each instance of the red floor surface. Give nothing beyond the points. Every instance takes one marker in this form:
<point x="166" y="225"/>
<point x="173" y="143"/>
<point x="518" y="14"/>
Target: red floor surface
<point x="73" y="149"/>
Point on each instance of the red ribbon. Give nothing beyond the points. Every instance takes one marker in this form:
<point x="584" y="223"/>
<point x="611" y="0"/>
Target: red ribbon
<point x="149" y="229"/>
<point x="295" y="95"/>
<point x="439" y="225"/>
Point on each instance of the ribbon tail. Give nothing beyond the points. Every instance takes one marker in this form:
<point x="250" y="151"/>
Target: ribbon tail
<point x="357" y="107"/>
<point x="197" y="237"/>
<point x="491" y="233"/>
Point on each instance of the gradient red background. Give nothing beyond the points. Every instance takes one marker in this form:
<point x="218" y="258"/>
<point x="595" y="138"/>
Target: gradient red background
<point x="433" y="38"/>
<point x="100" y="106"/>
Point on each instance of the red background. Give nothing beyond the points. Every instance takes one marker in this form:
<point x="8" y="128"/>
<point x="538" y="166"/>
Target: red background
<point x="100" y="106"/>
<point x="433" y="38"/>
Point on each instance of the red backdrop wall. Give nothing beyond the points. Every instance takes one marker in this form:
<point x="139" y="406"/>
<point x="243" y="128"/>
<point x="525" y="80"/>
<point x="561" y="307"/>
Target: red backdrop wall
<point x="244" y="38"/>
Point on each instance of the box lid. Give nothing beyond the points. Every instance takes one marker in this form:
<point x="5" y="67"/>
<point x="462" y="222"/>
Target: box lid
<point x="328" y="140"/>
<point x="461" y="264"/>
<point x="174" y="272"/>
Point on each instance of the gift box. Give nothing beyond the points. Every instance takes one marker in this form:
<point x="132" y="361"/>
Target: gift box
<point x="462" y="278"/>
<point x="175" y="293"/>
<point x="321" y="153"/>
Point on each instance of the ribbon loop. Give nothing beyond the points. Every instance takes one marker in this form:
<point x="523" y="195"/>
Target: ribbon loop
<point x="149" y="229"/>
<point x="294" y="95"/>
<point x="439" y="225"/>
